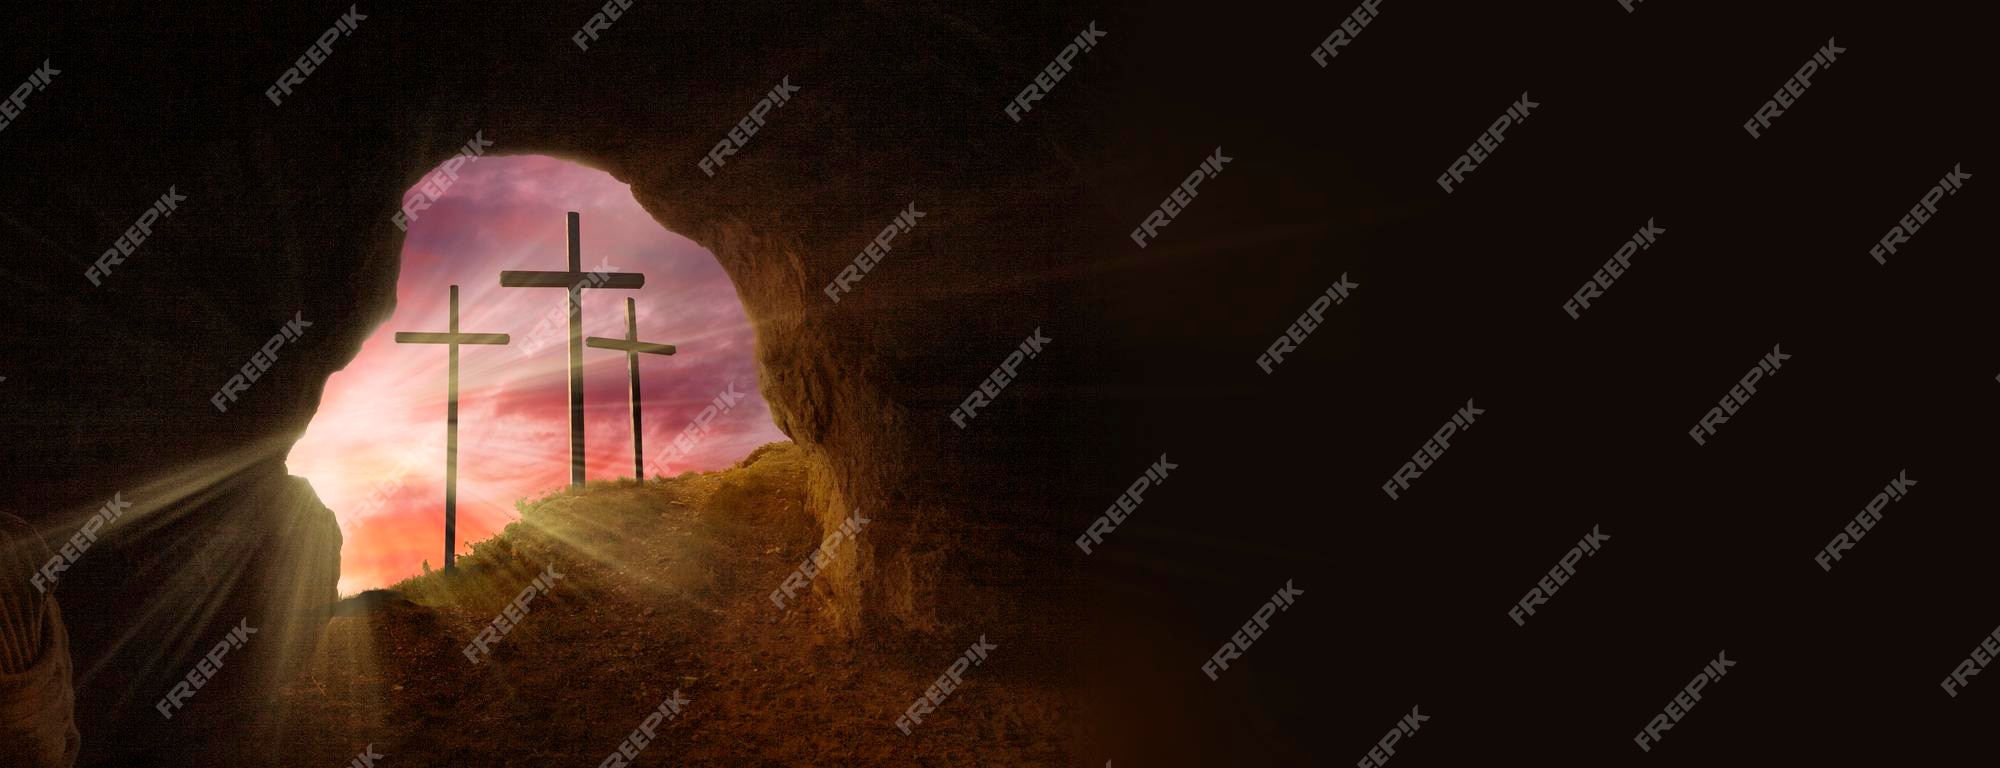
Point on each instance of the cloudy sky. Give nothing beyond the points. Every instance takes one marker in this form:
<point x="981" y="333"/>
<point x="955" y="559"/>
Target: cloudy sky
<point x="382" y="421"/>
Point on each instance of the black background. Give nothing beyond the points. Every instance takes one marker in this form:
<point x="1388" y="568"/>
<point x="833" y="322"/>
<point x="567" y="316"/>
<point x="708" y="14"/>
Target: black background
<point x="1711" y="546"/>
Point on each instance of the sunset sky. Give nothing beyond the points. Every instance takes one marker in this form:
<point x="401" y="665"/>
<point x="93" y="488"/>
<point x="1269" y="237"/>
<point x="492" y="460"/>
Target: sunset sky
<point x="382" y="421"/>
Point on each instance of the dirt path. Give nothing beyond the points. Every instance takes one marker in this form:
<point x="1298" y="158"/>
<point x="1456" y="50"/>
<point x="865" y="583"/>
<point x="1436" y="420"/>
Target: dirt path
<point x="664" y="587"/>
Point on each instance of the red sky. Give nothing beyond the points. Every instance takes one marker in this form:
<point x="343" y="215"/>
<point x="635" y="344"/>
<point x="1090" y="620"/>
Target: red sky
<point x="382" y="421"/>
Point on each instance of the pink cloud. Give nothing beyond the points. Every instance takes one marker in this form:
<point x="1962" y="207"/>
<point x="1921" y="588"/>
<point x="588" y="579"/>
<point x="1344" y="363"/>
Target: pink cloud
<point x="381" y="424"/>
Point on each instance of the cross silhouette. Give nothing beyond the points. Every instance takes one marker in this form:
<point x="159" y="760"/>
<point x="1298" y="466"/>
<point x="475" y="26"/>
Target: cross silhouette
<point x="452" y="339"/>
<point x="632" y="347"/>
<point x="574" y="280"/>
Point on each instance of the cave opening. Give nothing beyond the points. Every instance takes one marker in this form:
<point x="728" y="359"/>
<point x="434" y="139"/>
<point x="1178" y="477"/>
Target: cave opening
<point x="375" y="449"/>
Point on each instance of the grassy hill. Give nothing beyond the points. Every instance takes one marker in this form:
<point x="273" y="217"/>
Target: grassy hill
<point x="664" y="587"/>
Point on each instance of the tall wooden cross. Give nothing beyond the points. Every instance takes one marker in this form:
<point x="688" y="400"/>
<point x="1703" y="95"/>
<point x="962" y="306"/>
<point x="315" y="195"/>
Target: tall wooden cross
<point x="575" y="280"/>
<point x="632" y="347"/>
<point x="452" y="339"/>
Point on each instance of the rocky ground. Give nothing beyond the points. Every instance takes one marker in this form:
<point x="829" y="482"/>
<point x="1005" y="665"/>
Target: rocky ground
<point x="665" y="587"/>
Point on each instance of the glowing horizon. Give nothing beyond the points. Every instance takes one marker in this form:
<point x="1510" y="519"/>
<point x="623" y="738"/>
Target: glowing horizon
<point x="381" y="422"/>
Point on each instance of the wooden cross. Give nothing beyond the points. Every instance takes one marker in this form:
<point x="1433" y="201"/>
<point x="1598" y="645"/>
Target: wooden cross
<point x="574" y="280"/>
<point x="451" y="338"/>
<point x="633" y="346"/>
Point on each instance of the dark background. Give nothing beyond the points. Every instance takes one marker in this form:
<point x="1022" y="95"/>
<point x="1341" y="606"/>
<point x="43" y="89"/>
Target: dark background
<point x="1711" y="545"/>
